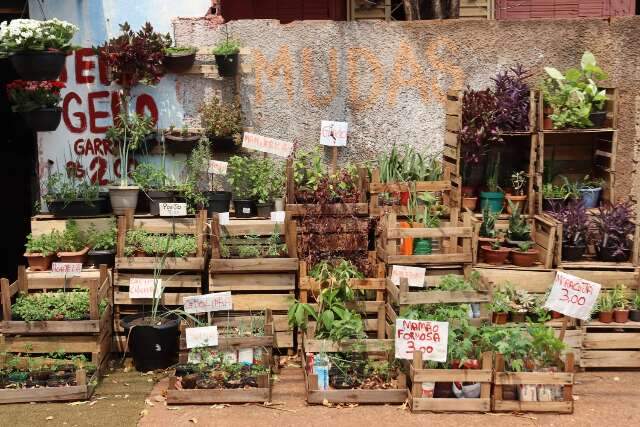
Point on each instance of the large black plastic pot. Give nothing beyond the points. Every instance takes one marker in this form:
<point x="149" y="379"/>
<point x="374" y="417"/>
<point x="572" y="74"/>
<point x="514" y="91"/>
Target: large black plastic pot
<point x="97" y="257"/>
<point x="40" y="65"/>
<point x="227" y="65"/>
<point x="264" y="209"/>
<point x="572" y="253"/>
<point x="179" y="63"/>
<point x="598" y="118"/>
<point x="78" y="207"/>
<point x="156" y="197"/>
<point x="245" y="208"/>
<point x="219" y="201"/>
<point x="152" y="346"/>
<point x="610" y="255"/>
<point x="43" y="120"/>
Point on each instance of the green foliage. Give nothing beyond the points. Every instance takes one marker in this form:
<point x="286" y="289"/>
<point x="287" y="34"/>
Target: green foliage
<point x="261" y="179"/>
<point x="350" y="326"/>
<point x="518" y="181"/>
<point x="619" y="298"/>
<point x="488" y="226"/>
<point x="308" y="169"/>
<point x="151" y="177"/>
<point x="73" y="238"/>
<point x="221" y="120"/>
<point x="408" y="166"/>
<point x="605" y="301"/>
<point x="196" y="180"/>
<point x="519" y="228"/>
<point x="179" y="51"/>
<point x="240" y="181"/>
<point x="501" y="302"/>
<point x="103" y="240"/>
<point x="179" y="246"/>
<point x="129" y="132"/>
<point x="519" y="299"/>
<point x="525" y="246"/>
<point x="67" y="187"/>
<point x="45" y="244"/>
<point x="21" y="35"/>
<point x="72" y="305"/>
<point x="493" y="172"/>
<point x="636" y="301"/>
<point x="248" y="252"/>
<point x="226" y="47"/>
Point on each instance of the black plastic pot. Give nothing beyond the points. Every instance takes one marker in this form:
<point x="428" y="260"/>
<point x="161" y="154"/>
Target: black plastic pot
<point x="634" y="315"/>
<point x="598" y="118"/>
<point x="572" y="253"/>
<point x="245" y="208"/>
<point x="152" y="347"/>
<point x="227" y="65"/>
<point x="264" y="209"/>
<point x="156" y="197"/>
<point x="77" y="208"/>
<point x="223" y="144"/>
<point x="97" y="257"/>
<point x="42" y="65"/>
<point x="7" y="72"/>
<point x="179" y="63"/>
<point x="43" y="120"/>
<point x="219" y="201"/>
<point x="609" y="255"/>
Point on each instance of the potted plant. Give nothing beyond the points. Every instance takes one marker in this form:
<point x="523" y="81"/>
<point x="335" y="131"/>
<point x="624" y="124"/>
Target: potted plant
<point x="155" y="184"/>
<point x="634" y="313"/>
<point x="226" y="54"/>
<point x="428" y="218"/>
<point x="129" y="132"/>
<point x="590" y="190"/>
<point x="620" y="304"/>
<point x="493" y="198"/>
<point x="37" y="49"/>
<point x="70" y="196"/>
<point x="103" y="245"/>
<point x="554" y="196"/>
<point x="575" y="228"/>
<point x="218" y="198"/>
<point x="242" y="186"/>
<point x="495" y="254"/>
<point x="513" y="101"/>
<point x="519" y="230"/>
<point x="524" y="255"/>
<point x="73" y="244"/>
<point x="499" y="307"/>
<point x="518" y="199"/>
<point x="182" y="140"/>
<point x="179" y="59"/>
<point x="614" y="226"/>
<point x="41" y="250"/>
<point x="261" y="175"/>
<point x="521" y="303"/>
<point x="195" y="181"/>
<point x="222" y="123"/>
<point x="37" y="103"/>
<point x="605" y="307"/>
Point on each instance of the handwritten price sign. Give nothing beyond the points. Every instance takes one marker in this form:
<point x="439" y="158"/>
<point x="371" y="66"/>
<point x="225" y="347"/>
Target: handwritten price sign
<point x="206" y="336"/>
<point x="207" y="303"/>
<point x="267" y="145"/>
<point x="217" y="167"/>
<point x="66" y="267"/>
<point x="173" y="209"/>
<point x="143" y="288"/>
<point x="333" y="134"/>
<point x="278" y="216"/>
<point x="421" y="335"/>
<point x="572" y="296"/>
<point x="415" y="275"/>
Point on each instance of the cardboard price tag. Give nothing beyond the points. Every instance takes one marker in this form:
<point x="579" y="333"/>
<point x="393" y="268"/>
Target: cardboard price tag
<point x="206" y="303"/>
<point x="415" y="275"/>
<point x="427" y="336"/>
<point x="66" y="267"/>
<point x="206" y="336"/>
<point x="173" y="209"/>
<point x="333" y="134"/>
<point x="267" y="145"/>
<point x="217" y="167"/>
<point x="223" y="218"/>
<point x="143" y="288"/>
<point x="572" y="296"/>
<point x="278" y="216"/>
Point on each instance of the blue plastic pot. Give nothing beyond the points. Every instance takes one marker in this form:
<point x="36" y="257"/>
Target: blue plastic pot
<point x="493" y="200"/>
<point x="590" y="197"/>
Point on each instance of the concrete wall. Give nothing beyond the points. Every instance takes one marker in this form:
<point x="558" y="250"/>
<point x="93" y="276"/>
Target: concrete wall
<point x="389" y="80"/>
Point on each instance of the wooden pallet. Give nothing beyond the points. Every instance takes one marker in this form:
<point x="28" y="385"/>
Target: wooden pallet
<point x="91" y="336"/>
<point x="543" y="234"/>
<point x="477" y="9"/>
<point x="564" y="379"/>
<point x="380" y="11"/>
<point x="260" y="394"/>
<point x="418" y="375"/>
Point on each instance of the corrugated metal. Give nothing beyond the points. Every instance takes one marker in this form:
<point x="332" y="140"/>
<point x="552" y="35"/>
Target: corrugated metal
<point x="284" y="10"/>
<point x="531" y="9"/>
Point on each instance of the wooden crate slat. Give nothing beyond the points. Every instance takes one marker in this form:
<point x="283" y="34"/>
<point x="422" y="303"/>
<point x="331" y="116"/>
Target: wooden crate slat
<point x="252" y="282"/>
<point x="45" y="394"/>
<point x="149" y="263"/>
<point x="337" y="209"/>
<point x="318" y="397"/>
<point x="166" y="225"/>
<point x="253" y="265"/>
<point x="518" y="406"/>
<point x="41" y="224"/>
<point x="53" y="326"/>
<point x="450" y="405"/>
<point x="49" y="344"/>
<point x="328" y="346"/>
<point x="438" y="297"/>
<point x="610" y="359"/>
<point x="613" y="340"/>
<point x="276" y="302"/>
<point x="168" y="281"/>
<point x="552" y="378"/>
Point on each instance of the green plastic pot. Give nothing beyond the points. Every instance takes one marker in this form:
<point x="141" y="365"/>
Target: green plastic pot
<point x="422" y="246"/>
<point x="494" y="200"/>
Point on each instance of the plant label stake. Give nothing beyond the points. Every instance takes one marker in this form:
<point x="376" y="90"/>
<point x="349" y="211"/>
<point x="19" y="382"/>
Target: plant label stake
<point x="143" y="288"/>
<point x="223" y="218"/>
<point x="429" y="337"/>
<point x="267" y="145"/>
<point x="207" y="303"/>
<point x="173" y="209"/>
<point x="217" y="167"/>
<point x="278" y="217"/>
<point x="206" y="336"/>
<point x="67" y="267"/>
<point x="572" y="296"/>
<point x="414" y="275"/>
<point x="334" y="135"/>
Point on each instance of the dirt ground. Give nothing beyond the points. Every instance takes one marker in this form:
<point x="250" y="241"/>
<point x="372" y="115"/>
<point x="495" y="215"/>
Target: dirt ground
<point x="129" y="398"/>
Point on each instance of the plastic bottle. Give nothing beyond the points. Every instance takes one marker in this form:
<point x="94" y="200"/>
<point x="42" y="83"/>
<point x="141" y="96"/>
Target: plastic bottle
<point x="321" y="369"/>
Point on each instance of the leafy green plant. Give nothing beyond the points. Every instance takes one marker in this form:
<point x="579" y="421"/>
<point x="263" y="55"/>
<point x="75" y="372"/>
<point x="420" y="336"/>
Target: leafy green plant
<point x="72" y="305"/>
<point x="249" y="252"/>
<point x="619" y="298"/>
<point x="636" y="301"/>
<point x="73" y="238"/>
<point x="21" y="35"/>
<point x="525" y="246"/>
<point x="519" y="228"/>
<point x="66" y="187"/>
<point x="408" y="166"/>
<point x="227" y="47"/>
<point x="129" y="131"/>
<point x="605" y="301"/>
<point x="518" y="181"/>
<point x="196" y="182"/>
<point x="308" y="169"/>
<point x="493" y="172"/>
<point x="179" y="51"/>
<point x="500" y="302"/>
<point x="488" y="226"/>
<point x="103" y="240"/>
<point x="240" y="181"/>
<point x="221" y="120"/>
<point x="148" y="176"/>
<point x="496" y="245"/>
<point x="45" y="244"/>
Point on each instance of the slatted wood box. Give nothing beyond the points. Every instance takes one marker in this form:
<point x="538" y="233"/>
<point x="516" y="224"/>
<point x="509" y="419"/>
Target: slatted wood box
<point x="256" y="283"/>
<point x="92" y="336"/>
<point x="564" y="379"/>
<point x="418" y="375"/>
<point x="543" y="235"/>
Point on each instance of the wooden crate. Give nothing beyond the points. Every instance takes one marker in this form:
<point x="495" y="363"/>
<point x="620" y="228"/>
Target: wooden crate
<point x="440" y="188"/>
<point x="543" y="234"/>
<point x="380" y="11"/>
<point x="260" y="394"/>
<point x="564" y="379"/>
<point x="256" y="283"/>
<point x="452" y="241"/>
<point x="418" y="375"/>
<point x="477" y="9"/>
<point x="45" y="223"/>
<point x="315" y="396"/>
<point x="91" y="336"/>
<point x="611" y="107"/>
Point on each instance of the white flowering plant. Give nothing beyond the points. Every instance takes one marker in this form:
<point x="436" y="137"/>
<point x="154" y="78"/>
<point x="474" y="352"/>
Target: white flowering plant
<point x="20" y="35"/>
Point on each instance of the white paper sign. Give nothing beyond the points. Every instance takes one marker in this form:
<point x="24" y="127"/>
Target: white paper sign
<point x="278" y="216"/>
<point x="66" y="267"/>
<point x="217" y="167"/>
<point x="143" y="288"/>
<point x="572" y="296"/>
<point x="208" y="303"/>
<point x="245" y="356"/>
<point x="223" y="218"/>
<point x="266" y="144"/>
<point x="333" y="134"/>
<point x="415" y="275"/>
<point x="427" y="336"/>
<point x="206" y="336"/>
<point x="173" y="209"/>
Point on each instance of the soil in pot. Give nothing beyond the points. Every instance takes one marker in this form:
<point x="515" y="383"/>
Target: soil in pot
<point x="75" y="257"/>
<point x="42" y="120"/>
<point x="498" y="318"/>
<point x="470" y="203"/>
<point x="422" y="246"/>
<point x="263" y="210"/>
<point x="621" y="316"/>
<point x="37" y="262"/>
<point x="493" y="200"/>
<point x="590" y="197"/>
<point x="219" y="201"/>
<point x="495" y="256"/>
<point x="123" y="198"/>
<point x="634" y="315"/>
<point x="245" y="208"/>
<point x="598" y="118"/>
<point x="605" y="316"/>
<point x="153" y="346"/>
<point x="98" y="257"/>
<point x="77" y="208"/>
<point x="613" y="255"/>
<point x="38" y="65"/>
<point x="572" y="253"/>
<point x="524" y="259"/>
<point x="227" y="65"/>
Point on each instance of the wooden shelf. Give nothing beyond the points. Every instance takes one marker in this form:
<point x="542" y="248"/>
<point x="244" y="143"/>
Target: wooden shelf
<point x="613" y="325"/>
<point x="588" y="130"/>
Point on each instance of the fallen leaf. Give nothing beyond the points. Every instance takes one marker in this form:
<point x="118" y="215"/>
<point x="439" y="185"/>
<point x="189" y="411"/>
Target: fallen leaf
<point x="93" y="403"/>
<point x="219" y="406"/>
<point x="326" y="403"/>
<point x="149" y="380"/>
<point x="84" y="402"/>
<point x="144" y="412"/>
<point x="148" y="402"/>
<point x="159" y="398"/>
<point x="49" y="418"/>
<point x="193" y="420"/>
<point x="126" y="396"/>
<point x="126" y="384"/>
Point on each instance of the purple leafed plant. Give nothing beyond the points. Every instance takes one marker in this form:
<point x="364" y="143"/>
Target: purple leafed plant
<point x="575" y="225"/>
<point x="614" y="226"/>
<point x="478" y="124"/>
<point x="512" y="100"/>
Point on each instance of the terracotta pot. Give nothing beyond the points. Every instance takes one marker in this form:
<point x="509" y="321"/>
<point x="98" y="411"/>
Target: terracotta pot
<point x="605" y="316"/>
<point x="470" y="203"/>
<point x="79" y="256"/>
<point x="37" y="262"/>
<point x="518" y="201"/>
<point x="468" y="191"/>
<point x="495" y="256"/>
<point x="556" y="315"/>
<point x="524" y="259"/>
<point x="621" y="316"/>
<point x="406" y="247"/>
<point x="547" y="123"/>
<point x="499" y="318"/>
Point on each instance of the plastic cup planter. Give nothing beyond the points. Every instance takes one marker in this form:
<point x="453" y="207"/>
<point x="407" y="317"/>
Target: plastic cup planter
<point x="590" y="197"/>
